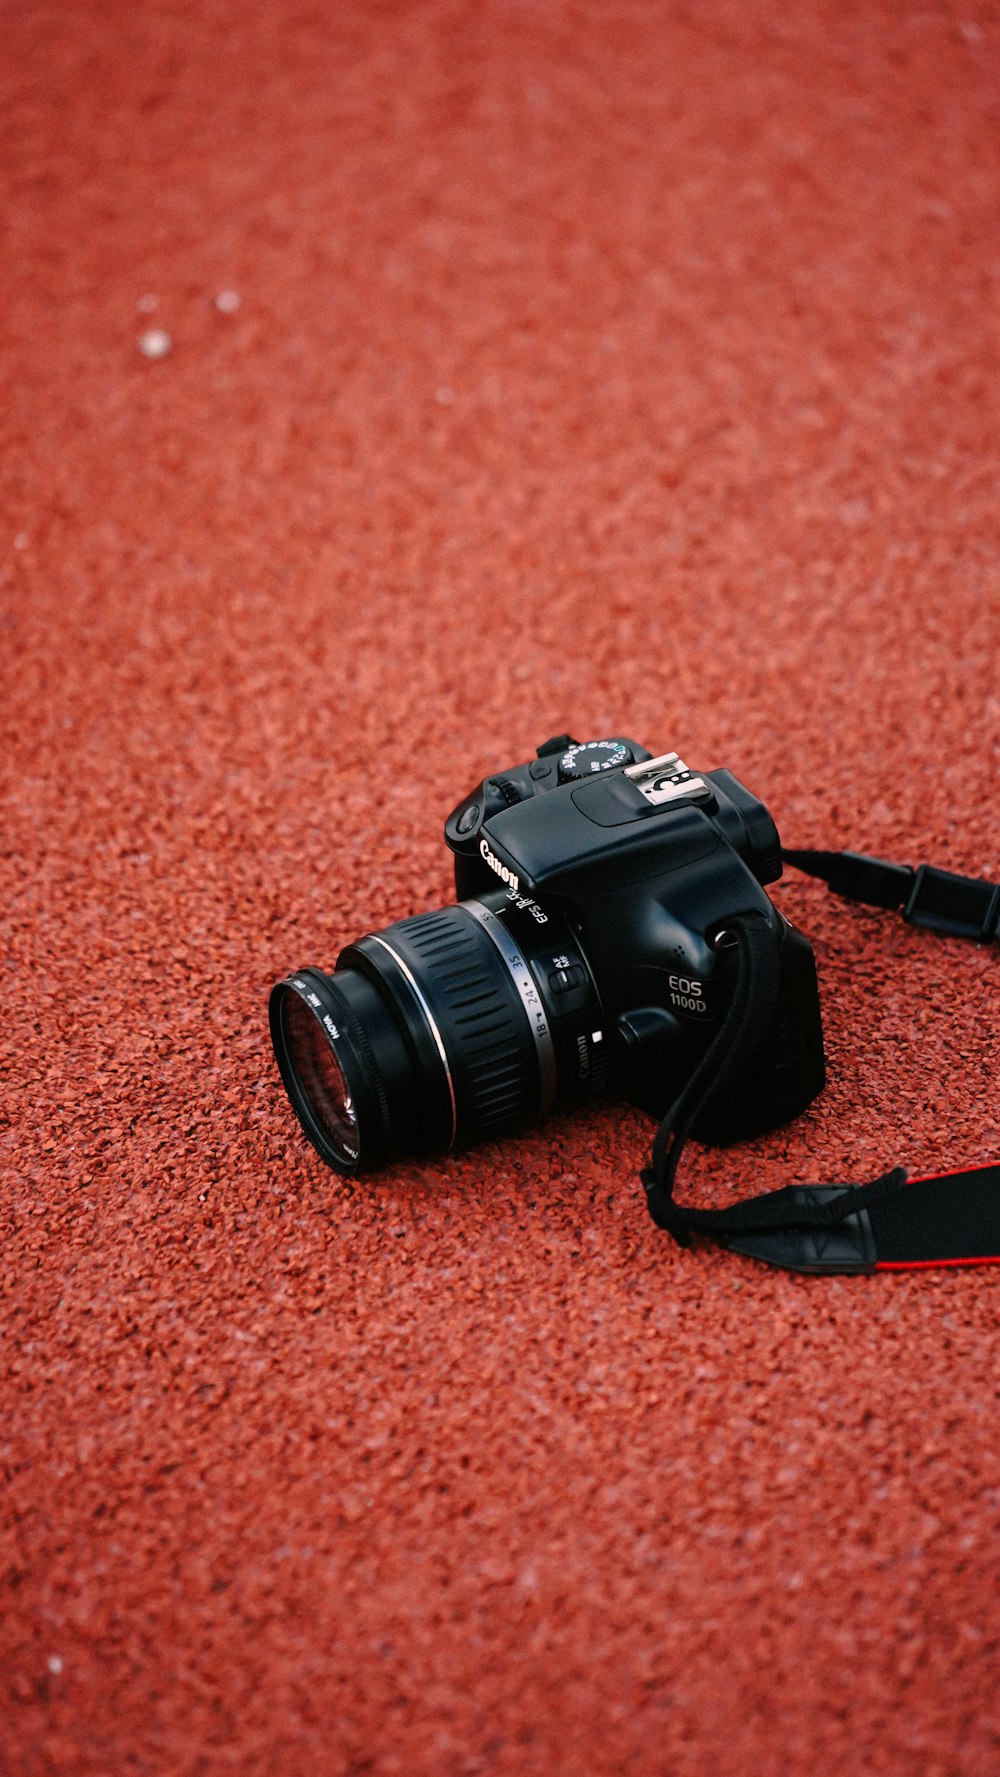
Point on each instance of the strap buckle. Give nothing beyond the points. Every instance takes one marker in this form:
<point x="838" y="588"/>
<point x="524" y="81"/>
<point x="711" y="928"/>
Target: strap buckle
<point x="957" y="906"/>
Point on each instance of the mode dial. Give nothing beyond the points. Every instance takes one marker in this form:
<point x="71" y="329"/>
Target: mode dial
<point x="593" y="755"/>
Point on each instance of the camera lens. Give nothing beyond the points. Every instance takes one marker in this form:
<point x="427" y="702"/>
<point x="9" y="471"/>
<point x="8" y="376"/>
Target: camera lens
<point x="442" y="1030"/>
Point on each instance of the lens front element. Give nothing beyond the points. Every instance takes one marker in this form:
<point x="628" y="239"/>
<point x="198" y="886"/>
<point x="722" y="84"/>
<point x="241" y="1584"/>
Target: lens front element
<point x="311" y="1055"/>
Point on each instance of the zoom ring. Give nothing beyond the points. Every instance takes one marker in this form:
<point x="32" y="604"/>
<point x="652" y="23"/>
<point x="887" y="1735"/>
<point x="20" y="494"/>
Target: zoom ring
<point x="490" y="1049"/>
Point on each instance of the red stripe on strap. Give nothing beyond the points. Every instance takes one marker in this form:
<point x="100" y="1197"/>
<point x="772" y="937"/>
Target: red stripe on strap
<point x="927" y="1264"/>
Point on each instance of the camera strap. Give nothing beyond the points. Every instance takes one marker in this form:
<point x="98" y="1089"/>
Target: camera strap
<point x="955" y="906"/>
<point x="892" y="1223"/>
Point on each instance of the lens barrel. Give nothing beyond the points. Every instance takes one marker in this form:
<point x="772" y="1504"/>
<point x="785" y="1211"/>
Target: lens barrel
<point x="442" y="1030"/>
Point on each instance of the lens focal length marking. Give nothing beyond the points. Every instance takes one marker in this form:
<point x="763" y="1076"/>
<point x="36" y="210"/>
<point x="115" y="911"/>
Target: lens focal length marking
<point x="431" y="1025"/>
<point x="529" y="995"/>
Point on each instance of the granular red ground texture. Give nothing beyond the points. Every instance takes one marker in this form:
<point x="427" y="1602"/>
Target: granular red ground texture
<point x="594" y="367"/>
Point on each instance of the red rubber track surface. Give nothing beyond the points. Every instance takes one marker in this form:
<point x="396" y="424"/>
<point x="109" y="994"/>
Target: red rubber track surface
<point x="602" y="367"/>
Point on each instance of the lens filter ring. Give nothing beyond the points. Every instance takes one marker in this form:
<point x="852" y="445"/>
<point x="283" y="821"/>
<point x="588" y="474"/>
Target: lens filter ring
<point x="329" y="1072"/>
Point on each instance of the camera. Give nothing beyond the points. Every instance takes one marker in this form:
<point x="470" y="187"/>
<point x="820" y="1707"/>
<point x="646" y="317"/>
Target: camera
<point x="587" y="954"/>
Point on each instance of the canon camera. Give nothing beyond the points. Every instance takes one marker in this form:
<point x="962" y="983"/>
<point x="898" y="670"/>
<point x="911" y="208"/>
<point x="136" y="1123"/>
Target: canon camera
<point x="587" y="954"/>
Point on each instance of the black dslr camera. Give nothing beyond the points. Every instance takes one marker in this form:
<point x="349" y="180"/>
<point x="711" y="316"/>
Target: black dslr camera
<point x="588" y="953"/>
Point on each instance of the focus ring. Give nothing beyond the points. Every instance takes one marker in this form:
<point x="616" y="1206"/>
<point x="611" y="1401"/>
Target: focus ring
<point x="372" y="1071"/>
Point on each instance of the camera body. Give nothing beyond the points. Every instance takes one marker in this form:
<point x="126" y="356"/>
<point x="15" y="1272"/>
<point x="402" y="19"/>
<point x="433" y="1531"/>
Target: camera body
<point x="645" y="861"/>
<point x="587" y="953"/>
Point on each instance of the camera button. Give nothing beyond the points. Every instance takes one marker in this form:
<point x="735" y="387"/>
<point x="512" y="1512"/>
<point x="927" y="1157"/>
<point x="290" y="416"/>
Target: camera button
<point x="469" y="818"/>
<point x="568" y="978"/>
<point x="581" y="761"/>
